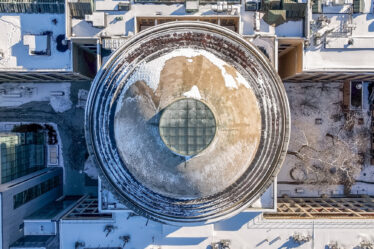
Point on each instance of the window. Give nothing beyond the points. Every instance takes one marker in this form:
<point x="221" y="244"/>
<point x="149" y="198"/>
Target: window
<point x="35" y="191"/>
<point x="21" y="154"/>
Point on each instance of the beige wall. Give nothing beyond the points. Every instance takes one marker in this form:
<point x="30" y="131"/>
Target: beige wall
<point x="291" y="62"/>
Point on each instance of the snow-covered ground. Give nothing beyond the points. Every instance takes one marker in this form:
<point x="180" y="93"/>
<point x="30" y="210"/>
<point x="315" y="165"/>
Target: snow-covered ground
<point x="16" y="94"/>
<point x="16" y="54"/>
<point x="90" y="169"/>
<point x="325" y="145"/>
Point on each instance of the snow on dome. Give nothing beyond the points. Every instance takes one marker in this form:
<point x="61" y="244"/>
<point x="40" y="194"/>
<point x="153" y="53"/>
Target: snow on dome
<point x="188" y="123"/>
<point x="193" y="93"/>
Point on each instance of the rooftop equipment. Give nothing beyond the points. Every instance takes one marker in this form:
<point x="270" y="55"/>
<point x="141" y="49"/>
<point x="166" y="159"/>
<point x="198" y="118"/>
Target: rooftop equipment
<point x="192" y="5"/>
<point x="317" y="6"/>
<point x="294" y="10"/>
<point x="31" y="6"/>
<point x="222" y="7"/>
<point x="251" y="6"/>
<point x="275" y="17"/>
<point x="278" y="12"/>
<point x="80" y="8"/>
<point x="358" y="6"/>
<point x="124" y="6"/>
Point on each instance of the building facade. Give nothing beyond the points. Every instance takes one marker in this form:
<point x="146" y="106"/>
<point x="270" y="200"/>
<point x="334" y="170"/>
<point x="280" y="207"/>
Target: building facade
<point x="21" y="154"/>
<point x="23" y="196"/>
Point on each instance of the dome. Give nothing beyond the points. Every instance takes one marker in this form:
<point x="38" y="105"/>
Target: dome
<point x="187" y="122"/>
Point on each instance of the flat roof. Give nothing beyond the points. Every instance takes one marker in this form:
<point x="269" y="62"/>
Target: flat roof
<point x="16" y="55"/>
<point x="122" y="23"/>
<point x="337" y="55"/>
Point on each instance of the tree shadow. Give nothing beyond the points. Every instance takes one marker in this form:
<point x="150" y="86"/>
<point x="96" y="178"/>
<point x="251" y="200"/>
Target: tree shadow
<point x="290" y="243"/>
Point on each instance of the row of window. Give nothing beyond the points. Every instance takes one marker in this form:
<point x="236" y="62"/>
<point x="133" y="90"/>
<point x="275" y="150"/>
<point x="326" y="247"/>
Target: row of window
<point x="21" y="160"/>
<point x="35" y="191"/>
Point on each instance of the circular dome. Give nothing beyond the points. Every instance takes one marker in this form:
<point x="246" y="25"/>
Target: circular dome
<point x="187" y="122"/>
<point x="187" y="126"/>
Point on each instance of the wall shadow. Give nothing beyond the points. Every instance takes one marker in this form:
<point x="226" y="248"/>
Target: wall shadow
<point x="130" y="26"/>
<point x="236" y="222"/>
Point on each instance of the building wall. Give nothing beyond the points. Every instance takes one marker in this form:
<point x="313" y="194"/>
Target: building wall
<point x="83" y="61"/>
<point x="1" y="220"/>
<point x="291" y="63"/>
<point x="21" y="154"/>
<point x="12" y="219"/>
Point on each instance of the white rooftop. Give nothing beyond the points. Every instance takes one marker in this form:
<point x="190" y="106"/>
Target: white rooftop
<point x="16" y="54"/>
<point x="338" y="54"/>
<point x="246" y="230"/>
<point x="125" y="25"/>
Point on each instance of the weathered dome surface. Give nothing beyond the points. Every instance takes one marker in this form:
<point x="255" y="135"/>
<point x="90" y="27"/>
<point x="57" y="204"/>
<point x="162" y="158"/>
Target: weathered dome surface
<point x="188" y="123"/>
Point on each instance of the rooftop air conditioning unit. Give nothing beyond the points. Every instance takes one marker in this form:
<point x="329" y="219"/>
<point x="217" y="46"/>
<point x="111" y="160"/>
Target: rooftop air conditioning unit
<point x="192" y="5"/>
<point x="251" y="6"/>
<point x="339" y="2"/>
<point x="222" y="7"/>
<point x="124" y="6"/>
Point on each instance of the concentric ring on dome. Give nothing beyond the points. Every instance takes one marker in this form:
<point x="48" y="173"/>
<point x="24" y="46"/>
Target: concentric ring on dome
<point x="187" y="126"/>
<point x="250" y="107"/>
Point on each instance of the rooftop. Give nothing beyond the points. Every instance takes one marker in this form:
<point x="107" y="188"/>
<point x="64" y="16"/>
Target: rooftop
<point x="15" y="54"/>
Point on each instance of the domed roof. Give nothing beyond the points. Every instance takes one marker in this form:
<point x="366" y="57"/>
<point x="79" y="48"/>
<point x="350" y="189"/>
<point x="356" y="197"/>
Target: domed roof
<point x="188" y="122"/>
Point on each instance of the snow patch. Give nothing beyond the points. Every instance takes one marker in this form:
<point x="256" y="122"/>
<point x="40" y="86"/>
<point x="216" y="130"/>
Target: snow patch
<point x="16" y="94"/>
<point x="193" y="93"/>
<point x="90" y="169"/>
<point x="82" y="98"/>
<point x="60" y="104"/>
<point x="149" y="72"/>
